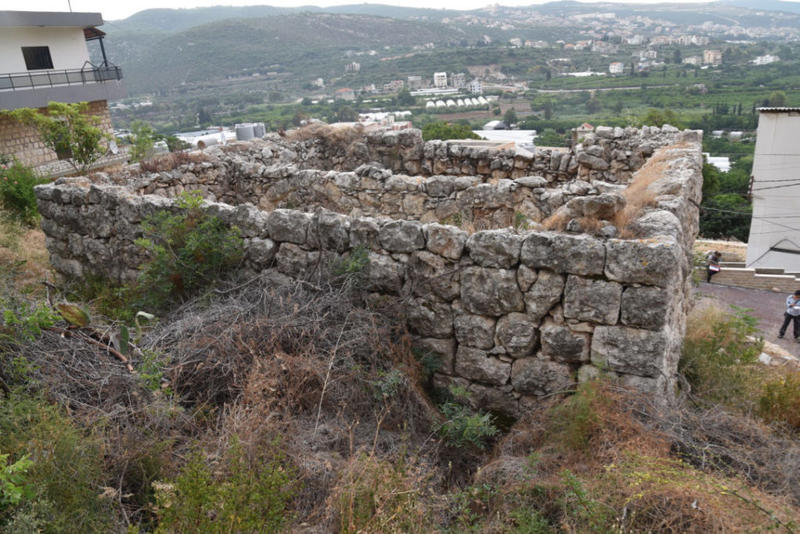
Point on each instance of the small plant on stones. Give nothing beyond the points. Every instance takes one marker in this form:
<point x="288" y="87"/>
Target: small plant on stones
<point x="188" y="250"/>
<point x="464" y="426"/>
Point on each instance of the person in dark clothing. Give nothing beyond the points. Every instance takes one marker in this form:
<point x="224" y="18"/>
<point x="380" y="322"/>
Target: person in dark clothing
<point x="712" y="267"/>
<point x="792" y="315"/>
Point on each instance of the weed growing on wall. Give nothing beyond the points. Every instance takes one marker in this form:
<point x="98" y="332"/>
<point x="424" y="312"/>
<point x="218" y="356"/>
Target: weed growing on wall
<point x="16" y="192"/>
<point x="463" y="426"/>
<point x="188" y="250"/>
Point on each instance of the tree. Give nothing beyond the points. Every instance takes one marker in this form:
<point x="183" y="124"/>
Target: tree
<point x="69" y="130"/>
<point x="593" y="105"/>
<point x="677" y="57"/>
<point x="777" y="99"/>
<point x="548" y="110"/>
<point x="445" y="130"/>
<point x="142" y="140"/>
<point x="404" y="98"/>
<point x="346" y="114"/>
<point x="510" y="117"/>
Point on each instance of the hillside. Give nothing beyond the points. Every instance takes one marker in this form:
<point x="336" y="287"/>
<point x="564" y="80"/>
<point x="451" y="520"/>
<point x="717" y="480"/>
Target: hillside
<point x="236" y="47"/>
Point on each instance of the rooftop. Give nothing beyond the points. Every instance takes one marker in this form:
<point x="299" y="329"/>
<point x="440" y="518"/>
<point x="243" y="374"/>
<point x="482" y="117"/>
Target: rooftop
<point x="49" y="18"/>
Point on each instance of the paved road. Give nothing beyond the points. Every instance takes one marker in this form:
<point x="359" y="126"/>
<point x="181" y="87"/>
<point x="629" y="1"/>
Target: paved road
<point x="767" y="307"/>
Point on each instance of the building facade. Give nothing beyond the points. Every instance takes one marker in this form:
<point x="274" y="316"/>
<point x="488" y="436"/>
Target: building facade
<point x="774" y="240"/>
<point x="440" y="79"/>
<point x="44" y="58"/>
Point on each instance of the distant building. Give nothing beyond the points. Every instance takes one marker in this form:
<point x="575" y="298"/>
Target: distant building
<point x="516" y="42"/>
<point x="393" y="86"/>
<point x="458" y="80"/>
<point x="345" y="93"/>
<point x="693" y="60"/>
<point x="44" y="58"/>
<point x="616" y="67"/>
<point x="353" y="67"/>
<point x="581" y="131"/>
<point x="712" y="57"/>
<point x="414" y="82"/>
<point x="774" y="240"/>
<point x="765" y="60"/>
<point x="440" y="79"/>
<point x="635" y="40"/>
<point x="319" y="82"/>
<point x="475" y="87"/>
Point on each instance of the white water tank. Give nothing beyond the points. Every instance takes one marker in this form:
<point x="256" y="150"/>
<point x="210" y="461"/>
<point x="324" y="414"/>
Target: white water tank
<point x="244" y="132"/>
<point x="259" y="129"/>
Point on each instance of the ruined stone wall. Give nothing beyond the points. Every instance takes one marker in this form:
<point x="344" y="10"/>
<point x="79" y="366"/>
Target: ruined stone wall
<point x="511" y="314"/>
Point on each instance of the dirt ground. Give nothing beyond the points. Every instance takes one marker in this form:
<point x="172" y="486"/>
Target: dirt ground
<point x="766" y="306"/>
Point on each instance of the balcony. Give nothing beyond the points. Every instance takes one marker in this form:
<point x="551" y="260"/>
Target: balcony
<point x="37" y="88"/>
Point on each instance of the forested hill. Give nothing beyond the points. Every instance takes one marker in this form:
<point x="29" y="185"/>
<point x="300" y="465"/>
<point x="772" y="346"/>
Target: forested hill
<point x="237" y="47"/>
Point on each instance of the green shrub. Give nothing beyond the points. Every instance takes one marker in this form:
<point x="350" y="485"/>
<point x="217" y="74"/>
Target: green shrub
<point x="246" y="498"/>
<point x="16" y="192"/>
<point x="576" y="420"/>
<point x="780" y="399"/>
<point x="464" y="426"/>
<point x="188" y="250"/>
<point x="65" y="476"/>
<point x="718" y="353"/>
<point x="446" y="130"/>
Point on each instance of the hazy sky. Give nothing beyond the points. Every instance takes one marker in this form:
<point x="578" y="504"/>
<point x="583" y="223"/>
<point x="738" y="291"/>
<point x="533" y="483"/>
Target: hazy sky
<point x="122" y="8"/>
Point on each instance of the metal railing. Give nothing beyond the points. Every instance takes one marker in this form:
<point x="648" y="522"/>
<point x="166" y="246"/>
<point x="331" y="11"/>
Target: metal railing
<point x="53" y="78"/>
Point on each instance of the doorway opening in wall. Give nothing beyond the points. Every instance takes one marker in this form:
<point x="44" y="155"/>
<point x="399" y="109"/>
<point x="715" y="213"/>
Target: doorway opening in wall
<point x="37" y="57"/>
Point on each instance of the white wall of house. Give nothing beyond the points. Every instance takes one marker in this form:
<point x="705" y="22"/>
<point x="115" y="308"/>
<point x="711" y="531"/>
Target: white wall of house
<point x="776" y="193"/>
<point x="67" y="47"/>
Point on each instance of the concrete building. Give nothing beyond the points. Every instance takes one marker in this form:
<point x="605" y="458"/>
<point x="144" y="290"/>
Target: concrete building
<point x="44" y="58"/>
<point x="353" y="67"/>
<point x="774" y="240"/>
<point x="475" y="87"/>
<point x="712" y="57"/>
<point x="458" y="80"/>
<point x="345" y="93"/>
<point x="414" y="82"/>
<point x="765" y="60"/>
<point x="440" y="79"/>
<point x="616" y="67"/>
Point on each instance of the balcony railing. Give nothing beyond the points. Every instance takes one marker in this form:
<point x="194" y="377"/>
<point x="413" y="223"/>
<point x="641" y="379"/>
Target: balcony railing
<point x="17" y="81"/>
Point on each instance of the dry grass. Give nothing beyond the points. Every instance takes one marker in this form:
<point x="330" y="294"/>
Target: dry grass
<point x="334" y="135"/>
<point x="638" y="194"/>
<point x="170" y="161"/>
<point x="24" y="262"/>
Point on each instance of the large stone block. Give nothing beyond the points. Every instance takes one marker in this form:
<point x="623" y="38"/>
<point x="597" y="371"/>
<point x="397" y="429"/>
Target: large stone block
<point x="490" y="291"/>
<point x="432" y="274"/>
<point x="597" y="301"/>
<point x="447" y="241"/>
<point x="478" y="366"/>
<point x="402" y="236"/>
<point x="645" y="307"/>
<point x="574" y="254"/>
<point x="537" y="376"/>
<point x="261" y="251"/>
<point x="475" y="331"/>
<point x="288" y="226"/>
<point x="294" y="261"/>
<point x="629" y="350"/>
<point x="655" y="262"/>
<point x="562" y="344"/>
<point x="332" y="231"/>
<point x="364" y="233"/>
<point x="543" y="294"/>
<point x="517" y="334"/>
<point x="494" y="248"/>
<point x="430" y="318"/>
<point x="384" y="274"/>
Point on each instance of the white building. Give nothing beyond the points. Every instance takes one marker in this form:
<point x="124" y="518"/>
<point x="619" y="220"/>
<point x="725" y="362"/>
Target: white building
<point x="693" y="60"/>
<point x="616" y="67"/>
<point x="458" y="80"/>
<point x="712" y="57"/>
<point x="353" y="67"/>
<point x="774" y="240"/>
<point x="765" y="60"/>
<point x="44" y="58"/>
<point x="440" y="79"/>
<point x="475" y="87"/>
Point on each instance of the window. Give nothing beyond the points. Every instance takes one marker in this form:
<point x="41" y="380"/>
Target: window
<point x="37" y="57"/>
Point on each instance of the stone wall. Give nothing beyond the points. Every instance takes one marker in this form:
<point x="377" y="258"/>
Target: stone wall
<point x="511" y="314"/>
<point x="24" y="143"/>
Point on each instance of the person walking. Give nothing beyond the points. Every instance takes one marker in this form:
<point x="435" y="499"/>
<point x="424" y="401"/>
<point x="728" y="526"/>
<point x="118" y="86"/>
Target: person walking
<point x="712" y="264"/>
<point x="792" y="315"/>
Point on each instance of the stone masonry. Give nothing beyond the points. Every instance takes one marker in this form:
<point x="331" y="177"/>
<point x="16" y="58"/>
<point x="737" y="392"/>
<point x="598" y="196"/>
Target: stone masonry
<point x="511" y="313"/>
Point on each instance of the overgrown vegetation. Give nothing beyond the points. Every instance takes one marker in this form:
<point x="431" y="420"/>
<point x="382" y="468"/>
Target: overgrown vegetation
<point x="69" y="130"/>
<point x="16" y="191"/>
<point x="188" y="250"/>
<point x="446" y="130"/>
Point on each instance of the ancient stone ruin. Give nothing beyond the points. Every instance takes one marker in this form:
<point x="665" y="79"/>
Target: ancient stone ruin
<point x="522" y="273"/>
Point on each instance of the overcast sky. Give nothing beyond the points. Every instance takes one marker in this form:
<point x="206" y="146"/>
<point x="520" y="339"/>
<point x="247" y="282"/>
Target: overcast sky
<point x="121" y="8"/>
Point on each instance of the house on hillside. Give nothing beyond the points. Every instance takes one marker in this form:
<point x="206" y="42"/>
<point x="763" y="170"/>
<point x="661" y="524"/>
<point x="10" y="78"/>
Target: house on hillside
<point x="774" y="240"/>
<point x="44" y="58"/>
<point x="345" y="93"/>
